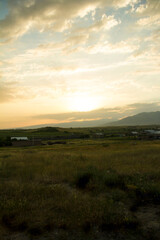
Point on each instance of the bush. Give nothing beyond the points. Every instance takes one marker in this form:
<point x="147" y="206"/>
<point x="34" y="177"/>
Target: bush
<point x="82" y="180"/>
<point x="5" y="142"/>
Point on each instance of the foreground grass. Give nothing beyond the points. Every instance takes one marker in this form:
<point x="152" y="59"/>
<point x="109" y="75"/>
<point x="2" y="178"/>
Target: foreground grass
<point x="82" y="190"/>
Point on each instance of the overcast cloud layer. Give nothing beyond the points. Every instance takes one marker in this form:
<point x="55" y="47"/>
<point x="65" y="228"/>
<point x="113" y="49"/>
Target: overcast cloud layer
<point x="75" y="56"/>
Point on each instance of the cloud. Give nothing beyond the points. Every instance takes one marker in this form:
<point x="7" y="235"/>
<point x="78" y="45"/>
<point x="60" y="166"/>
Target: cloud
<point x="150" y="13"/>
<point x="149" y="21"/>
<point x="78" y="44"/>
<point x="149" y="51"/>
<point x="149" y="71"/>
<point x="120" y="47"/>
<point x="105" y="23"/>
<point x="49" y="15"/>
<point x="12" y="91"/>
<point x="110" y="114"/>
<point x="6" y="92"/>
<point x="141" y="8"/>
<point x="150" y="7"/>
<point x="69" y="45"/>
<point x="155" y="37"/>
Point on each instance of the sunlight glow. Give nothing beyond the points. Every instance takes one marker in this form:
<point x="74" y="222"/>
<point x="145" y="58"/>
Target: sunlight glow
<point x="83" y="103"/>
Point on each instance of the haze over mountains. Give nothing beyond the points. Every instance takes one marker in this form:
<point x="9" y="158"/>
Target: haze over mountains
<point x="135" y="114"/>
<point x="74" y="124"/>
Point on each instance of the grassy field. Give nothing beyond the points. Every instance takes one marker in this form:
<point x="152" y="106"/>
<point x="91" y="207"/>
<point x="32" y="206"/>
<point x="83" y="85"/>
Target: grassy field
<point x="85" y="189"/>
<point x="55" y="131"/>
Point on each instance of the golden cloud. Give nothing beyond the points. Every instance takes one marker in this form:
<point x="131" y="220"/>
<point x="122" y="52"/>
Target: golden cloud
<point x="52" y="15"/>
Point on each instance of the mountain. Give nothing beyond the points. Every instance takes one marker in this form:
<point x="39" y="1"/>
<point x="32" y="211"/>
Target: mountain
<point x="145" y="118"/>
<point x="74" y="124"/>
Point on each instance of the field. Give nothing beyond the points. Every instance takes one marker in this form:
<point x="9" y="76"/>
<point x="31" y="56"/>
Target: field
<point x="51" y="132"/>
<point x="85" y="189"/>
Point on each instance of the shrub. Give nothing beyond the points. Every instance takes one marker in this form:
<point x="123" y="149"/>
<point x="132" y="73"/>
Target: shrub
<point x="83" y="179"/>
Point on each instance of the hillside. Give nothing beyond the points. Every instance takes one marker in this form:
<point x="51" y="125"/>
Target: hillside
<point x="74" y="124"/>
<point x="145" y="118"/>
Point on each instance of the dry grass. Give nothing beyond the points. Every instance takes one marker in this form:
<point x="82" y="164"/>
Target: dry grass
<point x="83" y="186"/>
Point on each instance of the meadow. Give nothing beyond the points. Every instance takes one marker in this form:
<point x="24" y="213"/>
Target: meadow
<point x="85" y="189"/>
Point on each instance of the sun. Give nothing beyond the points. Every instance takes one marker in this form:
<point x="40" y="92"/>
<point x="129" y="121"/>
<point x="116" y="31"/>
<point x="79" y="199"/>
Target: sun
<point x="83" y="103"/>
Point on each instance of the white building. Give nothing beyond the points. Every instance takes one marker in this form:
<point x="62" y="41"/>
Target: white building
<point x="154" y="132"/>
<point x="19" y="138"/>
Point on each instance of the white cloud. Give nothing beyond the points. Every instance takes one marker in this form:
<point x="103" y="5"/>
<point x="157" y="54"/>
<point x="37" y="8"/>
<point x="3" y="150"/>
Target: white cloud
<point x="106" y="47"/>
<point x="141" y="8"/>
<point x="149" y="13"/>
<point x="78" y="39"/>
<point x="6" y="91"/>
<point x="105" y="23"/>
<point x="150" y="48"/>
<point x="53" y="15"/>
<point x="69" y="45"/>
<point x="149" y="21"/>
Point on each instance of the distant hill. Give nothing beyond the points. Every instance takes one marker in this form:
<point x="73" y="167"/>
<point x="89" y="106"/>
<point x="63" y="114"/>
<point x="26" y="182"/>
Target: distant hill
<point x="145" y="118"/>
<point x="74" y="124"/>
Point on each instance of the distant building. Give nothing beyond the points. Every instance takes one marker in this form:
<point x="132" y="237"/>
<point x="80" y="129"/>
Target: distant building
<point x="154" y="132"/>
<point x="122" y="135"/>
<point x="19" y="138"/>
<point x="98" y="135"/>
<point x="150" y="134"/>
<point x="134" y="133"/>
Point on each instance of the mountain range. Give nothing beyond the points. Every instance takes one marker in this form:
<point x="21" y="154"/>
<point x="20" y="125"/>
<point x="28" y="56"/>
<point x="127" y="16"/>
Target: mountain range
<point x="144" y="118"/>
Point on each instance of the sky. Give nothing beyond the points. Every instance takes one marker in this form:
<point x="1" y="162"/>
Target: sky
<point x="61" y="58"/>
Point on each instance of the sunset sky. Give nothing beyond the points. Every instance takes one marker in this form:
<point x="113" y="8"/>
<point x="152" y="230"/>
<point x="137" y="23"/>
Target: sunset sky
<point x="67" y="56"/>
